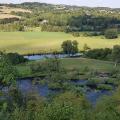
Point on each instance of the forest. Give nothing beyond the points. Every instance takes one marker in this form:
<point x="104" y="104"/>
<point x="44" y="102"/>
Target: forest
<point x="62" y="18"/>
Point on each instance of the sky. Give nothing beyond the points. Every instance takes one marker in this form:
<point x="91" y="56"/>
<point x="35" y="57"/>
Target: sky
<point x="90" y="3"/>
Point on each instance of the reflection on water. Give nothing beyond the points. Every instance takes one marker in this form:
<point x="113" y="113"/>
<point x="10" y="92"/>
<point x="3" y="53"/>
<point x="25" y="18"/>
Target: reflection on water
<point x="92" y="95"/>
<point x="26" y="86"/>
<point x="43" y="56"/>
<point x="39" y="57"/>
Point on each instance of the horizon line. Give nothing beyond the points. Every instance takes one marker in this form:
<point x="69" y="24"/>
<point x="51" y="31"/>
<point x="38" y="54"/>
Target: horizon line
<point x="61" y="4"/>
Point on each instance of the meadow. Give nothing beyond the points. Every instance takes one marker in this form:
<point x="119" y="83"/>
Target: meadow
<point x="71" y="63"/>
<point x="44" y="42"/>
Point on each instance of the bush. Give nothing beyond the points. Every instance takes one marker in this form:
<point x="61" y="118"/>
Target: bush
<point x="38" y="67"/>
<point x="102" y="54"/>
<point x="86" y="47"/>
<point x="94" y="81"/>
<point x="111" y="33"/>
<point x="15" y="58"/>
<point x="104" y="87"/>
<point x="76" y="34"/>
<point x="87" y="34"/>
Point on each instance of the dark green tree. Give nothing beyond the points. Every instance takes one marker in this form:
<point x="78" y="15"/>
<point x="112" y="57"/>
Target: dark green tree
<point x="15" y="58"/>
<point x="116" y="54"/>
<point x="74" y="47"/>
<point x="70" y="47"/>
<point x="7" y="71"/>
<point x="111" y="33"/>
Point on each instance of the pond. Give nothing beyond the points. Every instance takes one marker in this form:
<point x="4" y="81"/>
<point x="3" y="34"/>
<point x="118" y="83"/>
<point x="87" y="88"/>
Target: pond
<point x="43" y="56"/>
<point x="92" y="95"/>
<point x="26" y="86"/>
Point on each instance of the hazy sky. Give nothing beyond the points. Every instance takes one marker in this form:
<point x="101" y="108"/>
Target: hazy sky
<point x="92" y="3"/>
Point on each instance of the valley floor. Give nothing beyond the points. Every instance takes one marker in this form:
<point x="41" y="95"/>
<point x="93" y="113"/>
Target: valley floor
<point x="44" y="42"/>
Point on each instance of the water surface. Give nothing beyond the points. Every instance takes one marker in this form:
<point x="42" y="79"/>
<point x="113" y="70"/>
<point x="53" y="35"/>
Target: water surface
<point x="92" y="95"/>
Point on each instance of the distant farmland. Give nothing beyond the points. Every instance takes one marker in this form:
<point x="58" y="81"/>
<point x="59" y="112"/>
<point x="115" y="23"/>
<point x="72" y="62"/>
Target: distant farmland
<point x="41" y="42"/>
<point x="6" y="12"/>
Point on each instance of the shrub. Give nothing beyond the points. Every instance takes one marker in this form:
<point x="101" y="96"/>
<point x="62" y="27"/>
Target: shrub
<point x="104" y="87"/>
<point x="92" y="34"/>
<point x="102" y="54"/>
<point x="76" y="34"/>
<point x="111" y="33"/>
<point x="15" y="58"/>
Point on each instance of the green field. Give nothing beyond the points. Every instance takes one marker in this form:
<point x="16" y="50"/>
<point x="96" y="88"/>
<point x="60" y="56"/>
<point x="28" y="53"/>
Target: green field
<point x="92" y="64"/>
<point x="39" y="42"/>
<point x="71" y="63"/>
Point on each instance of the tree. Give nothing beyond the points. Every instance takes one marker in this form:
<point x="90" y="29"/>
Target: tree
<point x="74" y="47"/>
<point x="86" y="47"/>
<point x="116" y="54"/>
<point x="111" y="33"/>
<point x="67" y="46"/>
<point x="15" y="58"/>
<point x="70" y="47"/>
<point x="7" y="71"/>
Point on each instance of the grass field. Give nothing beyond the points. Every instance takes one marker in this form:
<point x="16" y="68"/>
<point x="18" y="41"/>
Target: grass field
<point x="38" y="42"/>
<point x="93" y="64"/>
<point x="71" y="63"/>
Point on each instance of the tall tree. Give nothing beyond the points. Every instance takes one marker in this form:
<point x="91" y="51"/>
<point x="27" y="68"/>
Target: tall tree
<point x="67" y="47"/>
<point x="70" y="47"/>
<point x="74" y="47"/>
<point x="116" y="54"/>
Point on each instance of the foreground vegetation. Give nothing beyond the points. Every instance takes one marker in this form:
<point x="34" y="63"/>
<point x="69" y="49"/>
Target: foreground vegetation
<point x="60" y="109"/>
<point x="70" y="104"/>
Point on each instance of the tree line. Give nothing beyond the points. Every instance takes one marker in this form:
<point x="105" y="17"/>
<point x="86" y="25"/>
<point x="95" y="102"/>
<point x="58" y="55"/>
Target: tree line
<point x="68" y="19"/>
